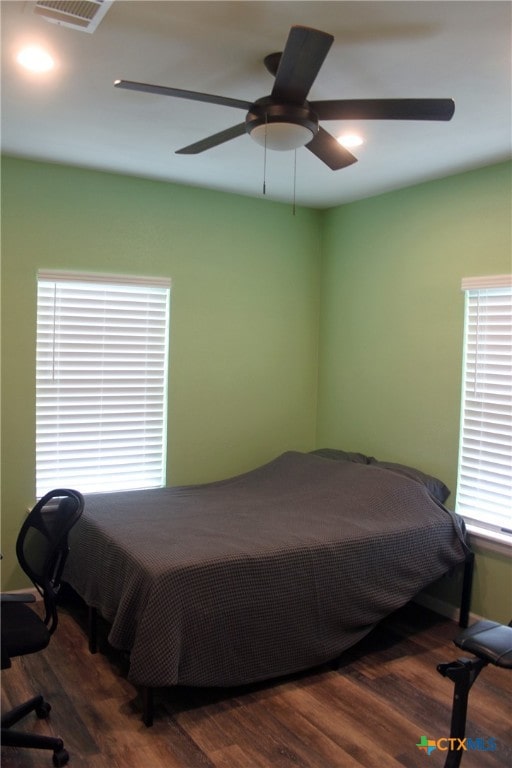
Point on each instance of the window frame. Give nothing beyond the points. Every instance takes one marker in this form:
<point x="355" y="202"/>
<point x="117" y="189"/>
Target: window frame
<point x="492" y="535"/>
<point x="115" y="309"/>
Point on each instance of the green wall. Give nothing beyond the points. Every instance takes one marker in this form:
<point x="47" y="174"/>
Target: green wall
<point x="244" y="314"/>
<point x="340" y="328"/>
<point x="392" y="325"/>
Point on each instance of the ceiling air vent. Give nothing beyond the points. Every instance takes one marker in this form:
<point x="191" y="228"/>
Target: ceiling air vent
<point x="84" y="15"/>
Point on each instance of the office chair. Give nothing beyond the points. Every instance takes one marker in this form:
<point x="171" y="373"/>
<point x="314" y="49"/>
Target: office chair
<point x="41" y="548"/>
<point x="491" y="643"/>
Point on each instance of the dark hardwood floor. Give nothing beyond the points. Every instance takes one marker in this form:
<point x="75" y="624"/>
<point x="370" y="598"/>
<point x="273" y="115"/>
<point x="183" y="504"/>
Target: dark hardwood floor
<point x="369" y="712"/>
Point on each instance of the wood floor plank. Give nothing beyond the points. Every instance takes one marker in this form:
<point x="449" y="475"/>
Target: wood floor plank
<point x="370" y="712"/>
<point x="330" y="738"/>
<point x="352" y="718"/>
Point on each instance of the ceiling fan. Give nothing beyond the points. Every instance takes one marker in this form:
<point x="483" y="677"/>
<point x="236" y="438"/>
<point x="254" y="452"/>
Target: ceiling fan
<point x="285" y="120"/>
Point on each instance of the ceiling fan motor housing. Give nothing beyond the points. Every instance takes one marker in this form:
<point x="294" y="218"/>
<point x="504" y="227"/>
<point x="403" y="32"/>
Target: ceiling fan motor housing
<point x="280" y="125"/>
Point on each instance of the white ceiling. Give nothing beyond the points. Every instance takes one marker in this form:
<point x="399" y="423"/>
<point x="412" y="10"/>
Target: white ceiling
<point x="74" y="115"/>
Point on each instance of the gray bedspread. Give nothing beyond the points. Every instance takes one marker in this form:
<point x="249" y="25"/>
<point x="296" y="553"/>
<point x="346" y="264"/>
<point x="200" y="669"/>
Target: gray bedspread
<point x="270" y="572"/>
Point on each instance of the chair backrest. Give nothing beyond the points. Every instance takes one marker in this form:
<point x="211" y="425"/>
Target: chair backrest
<point x="42" y="544"/>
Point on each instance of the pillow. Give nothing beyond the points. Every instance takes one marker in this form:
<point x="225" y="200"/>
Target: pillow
<point x="435" y="486"/>
<point x="333" y="453"/>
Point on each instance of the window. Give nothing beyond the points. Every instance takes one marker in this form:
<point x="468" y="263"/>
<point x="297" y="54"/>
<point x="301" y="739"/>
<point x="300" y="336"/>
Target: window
<point x="101" y="375"/>
<point x="484" y="493"/>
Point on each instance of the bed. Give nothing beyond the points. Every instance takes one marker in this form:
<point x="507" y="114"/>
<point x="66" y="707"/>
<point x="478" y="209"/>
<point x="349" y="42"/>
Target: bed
<point x="267" y="573"/>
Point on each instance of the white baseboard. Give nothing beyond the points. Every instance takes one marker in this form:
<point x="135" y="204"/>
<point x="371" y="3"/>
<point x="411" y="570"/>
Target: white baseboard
<point x="445" y="609"/>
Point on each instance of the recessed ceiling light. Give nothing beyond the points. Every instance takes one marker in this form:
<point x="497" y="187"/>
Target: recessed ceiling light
<point x="35" y="59"/>
<point x="350" y="140"/>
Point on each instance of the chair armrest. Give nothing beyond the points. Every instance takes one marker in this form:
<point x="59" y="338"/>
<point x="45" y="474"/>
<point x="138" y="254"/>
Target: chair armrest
<point x="17" y="597"/>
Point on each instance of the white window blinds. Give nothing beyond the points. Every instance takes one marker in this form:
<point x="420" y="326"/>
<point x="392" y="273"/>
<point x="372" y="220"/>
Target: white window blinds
<point x="101" y="382"/>
<point x="484" y="492"/>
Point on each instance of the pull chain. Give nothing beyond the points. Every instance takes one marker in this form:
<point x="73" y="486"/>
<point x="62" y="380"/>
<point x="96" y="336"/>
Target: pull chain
<point x="294" y="178"/>
<point x="265" y="159"/>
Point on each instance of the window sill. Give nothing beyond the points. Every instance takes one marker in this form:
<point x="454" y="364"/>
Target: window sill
<point x="490" y="541"/>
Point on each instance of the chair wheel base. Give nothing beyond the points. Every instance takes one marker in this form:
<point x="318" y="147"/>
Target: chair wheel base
<point x="43" y="710"/>
<point x="60" y="758"/>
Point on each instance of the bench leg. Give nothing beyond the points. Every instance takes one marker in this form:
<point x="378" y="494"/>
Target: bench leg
<point x="463" y="673"/>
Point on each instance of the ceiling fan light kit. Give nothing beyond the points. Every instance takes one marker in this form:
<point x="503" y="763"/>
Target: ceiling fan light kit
<point x="284" y="120"/>
<point x="281" y="136"/>
<point x="280" y="126"/>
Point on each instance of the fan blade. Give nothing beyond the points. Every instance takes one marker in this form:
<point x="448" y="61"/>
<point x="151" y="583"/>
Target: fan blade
<point x="162" y="90"/>
<point x="213" y="141"/>
<point x="330" y="151"/>
<point x="300" y="63"/>
<point x="384" y="109"/>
